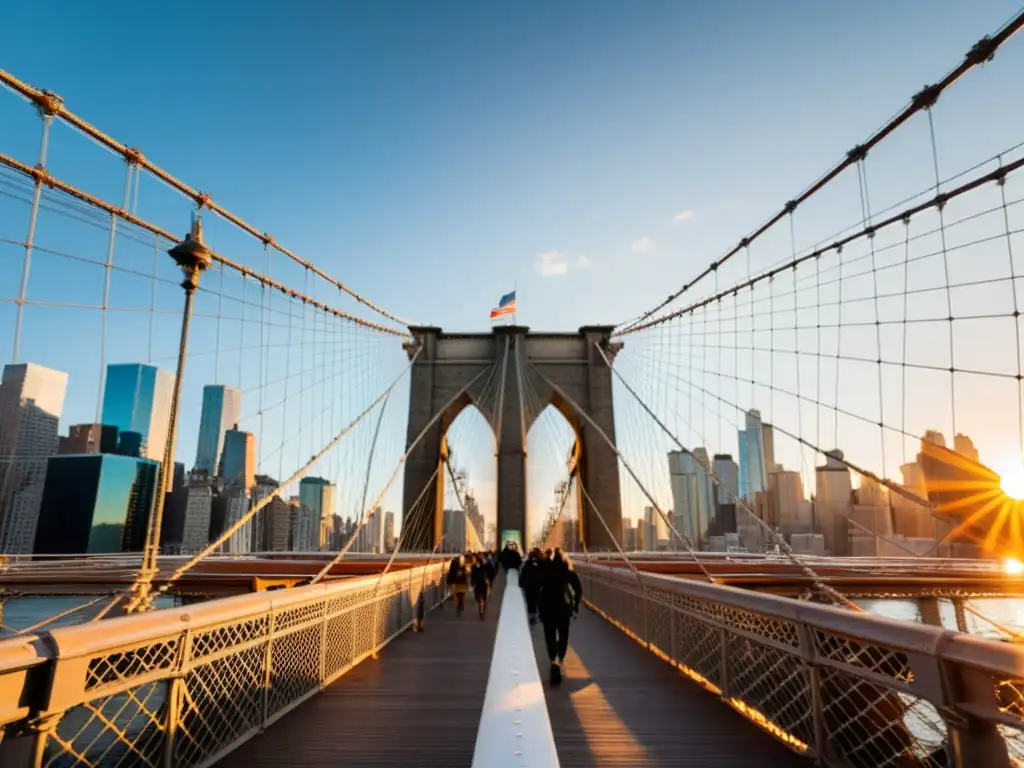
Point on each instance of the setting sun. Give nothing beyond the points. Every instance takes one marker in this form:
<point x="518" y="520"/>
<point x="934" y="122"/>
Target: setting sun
<point x="1011" y="482"/>
<point x="1013" y="567"/>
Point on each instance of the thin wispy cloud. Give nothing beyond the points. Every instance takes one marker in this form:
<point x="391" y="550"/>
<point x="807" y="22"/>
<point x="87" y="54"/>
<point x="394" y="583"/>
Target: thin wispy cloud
<point x="644" y="244"/>
<point x="552" y="263"/>
<point x="684" y="215"/>
<point x="583" y="261"/>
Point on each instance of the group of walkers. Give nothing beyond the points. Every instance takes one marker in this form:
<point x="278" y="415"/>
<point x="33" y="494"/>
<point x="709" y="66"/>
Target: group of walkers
<point x="476" y="570"/>
<point x="551" y="587"/>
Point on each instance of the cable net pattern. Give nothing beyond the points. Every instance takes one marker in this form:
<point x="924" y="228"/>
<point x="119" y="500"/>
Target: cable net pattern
<point x="823" y="691"/>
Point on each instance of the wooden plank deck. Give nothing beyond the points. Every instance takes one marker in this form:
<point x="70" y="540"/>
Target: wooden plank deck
<point x="619" y="705"/>
<point x="418" y="705"/>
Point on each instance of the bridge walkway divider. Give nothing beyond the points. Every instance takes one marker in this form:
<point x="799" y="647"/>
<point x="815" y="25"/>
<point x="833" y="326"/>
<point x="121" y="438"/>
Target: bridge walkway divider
<point x="418" y="704"/>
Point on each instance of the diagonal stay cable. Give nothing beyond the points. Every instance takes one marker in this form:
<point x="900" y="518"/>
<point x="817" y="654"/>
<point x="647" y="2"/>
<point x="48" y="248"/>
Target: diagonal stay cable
<point x="295" y="477"/>
<point x="778" y="538"/>
<point x="401" y="463"/>
<point x="611" y="444"/>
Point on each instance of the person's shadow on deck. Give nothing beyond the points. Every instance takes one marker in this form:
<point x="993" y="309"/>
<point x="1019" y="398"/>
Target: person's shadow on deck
<point x="619" y="705"/>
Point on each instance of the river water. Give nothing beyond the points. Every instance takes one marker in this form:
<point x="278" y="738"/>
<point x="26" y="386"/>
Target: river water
<point x="20" y="613"/>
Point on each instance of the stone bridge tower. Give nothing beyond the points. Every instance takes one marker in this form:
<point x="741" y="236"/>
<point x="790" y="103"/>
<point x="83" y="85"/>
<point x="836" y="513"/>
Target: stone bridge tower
<point x="512" y="359"/>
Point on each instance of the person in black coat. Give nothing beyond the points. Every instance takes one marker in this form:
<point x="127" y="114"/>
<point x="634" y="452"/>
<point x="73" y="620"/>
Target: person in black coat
<point x="478" y="577"/>
<point x="510" y="557"/>
<point x="529" y="580"/>
<point x="558" y="601"/>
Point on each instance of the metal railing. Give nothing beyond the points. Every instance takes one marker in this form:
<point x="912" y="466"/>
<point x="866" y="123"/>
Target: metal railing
<point x="185" y="686"/>
<point x="852" y="690"/>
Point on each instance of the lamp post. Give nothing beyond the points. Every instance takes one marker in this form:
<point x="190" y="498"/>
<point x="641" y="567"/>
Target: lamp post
<point x="192" y="255"/>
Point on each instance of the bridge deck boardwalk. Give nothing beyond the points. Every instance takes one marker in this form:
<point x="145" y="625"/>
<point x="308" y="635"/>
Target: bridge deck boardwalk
<point x="418" y="705"/>
<point x="619" y="705"/>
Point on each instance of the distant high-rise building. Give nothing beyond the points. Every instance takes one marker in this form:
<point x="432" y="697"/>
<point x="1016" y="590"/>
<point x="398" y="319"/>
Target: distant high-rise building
<point x="137" y="398"/>
<point x="95" y="503"/>
<point x="787" y="491"/>
<point x="313" y="522"/>
<point x="832" y="501"/>
<point x="963" y="445"/>
<point x="221" y="410"/>
<point x="728" y="474"/>
<point x="236" y="507"/>
<point x="238" y="461"/>
<point x="89" y="438"/>
<point x="31" y="402"/>
<point x="389" y="531"/>
<point x="277" y="516"/>
<point x="198" y="510"/>
<point x="757" y="455"/>
<point x="693" y="494"/>
<point x="371" y="534"/>
<point x="726" y="494"/>
<point x="911" y="519"/>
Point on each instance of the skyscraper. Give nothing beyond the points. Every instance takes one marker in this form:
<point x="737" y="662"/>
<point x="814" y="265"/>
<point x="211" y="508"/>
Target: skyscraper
<point x="832" y="492"/>
<point x="314" y="519"/>
<point x="238" y="462"/>
<point x="389" y="531"/>
<point x="726" y="493"/>
<point x="31" y="402"/>
<point x="693" y="493"/>
<point x="95" y="503"/>
<point x="221" y="410"/>
<point x="236" y="507"/>
<point x="277" y="525"/>
<point x="198" y="509"/>
<point x="137" y="398"/>
<point x="757" y="455"/>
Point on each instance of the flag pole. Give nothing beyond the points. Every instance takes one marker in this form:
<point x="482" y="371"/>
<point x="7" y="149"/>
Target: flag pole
<point x="514" y="315"/>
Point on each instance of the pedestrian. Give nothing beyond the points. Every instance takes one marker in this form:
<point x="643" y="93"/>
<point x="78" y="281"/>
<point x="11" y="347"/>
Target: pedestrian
<point x="491" y="564"/>
<point x="559" y="600"/>
<point x="478" y="577"/>
<point x="530" y="580"/>
<point x="458" y="580"/>
<point x="510" y="557"/>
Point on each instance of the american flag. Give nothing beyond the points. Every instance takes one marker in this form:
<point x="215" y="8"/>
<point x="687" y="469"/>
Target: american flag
<point x="506" y="306"/>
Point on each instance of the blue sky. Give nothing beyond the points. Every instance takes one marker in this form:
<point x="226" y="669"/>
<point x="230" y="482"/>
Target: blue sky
<point x="595" y="154"/>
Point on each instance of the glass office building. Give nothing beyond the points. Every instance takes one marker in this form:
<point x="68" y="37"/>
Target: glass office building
<point x="137" y="398"/>
<point x="95" y="503"/>
<point x="221" y="410"/>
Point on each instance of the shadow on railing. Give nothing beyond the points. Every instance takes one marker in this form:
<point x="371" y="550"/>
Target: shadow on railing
<point x="851" y="689"/>
<point x="186" y="686"/>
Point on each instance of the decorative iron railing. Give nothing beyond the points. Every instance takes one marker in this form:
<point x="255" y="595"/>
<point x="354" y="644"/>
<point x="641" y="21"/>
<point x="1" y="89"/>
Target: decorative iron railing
<point x="185" y="686"/>
<point x="853" y="690"/>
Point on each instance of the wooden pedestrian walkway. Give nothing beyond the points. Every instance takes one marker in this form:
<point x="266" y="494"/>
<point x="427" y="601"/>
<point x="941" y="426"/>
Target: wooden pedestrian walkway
<point x="619" y="705"/>
<point x="417" y="705"/>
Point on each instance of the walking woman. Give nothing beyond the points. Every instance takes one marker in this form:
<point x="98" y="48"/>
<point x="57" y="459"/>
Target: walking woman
<point x="559" y="599"/>
<point x="458" y="580"/>
<point x="479" y="577"/>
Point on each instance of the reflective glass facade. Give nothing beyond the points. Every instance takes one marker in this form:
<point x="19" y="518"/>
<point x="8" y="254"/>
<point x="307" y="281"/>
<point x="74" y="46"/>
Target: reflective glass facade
<point x="137" y="398"/>
<point x="221" y="408"/>
<point x="95" y="503"/>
